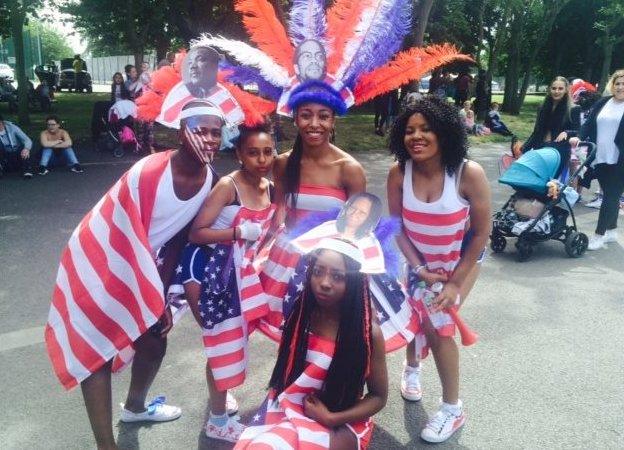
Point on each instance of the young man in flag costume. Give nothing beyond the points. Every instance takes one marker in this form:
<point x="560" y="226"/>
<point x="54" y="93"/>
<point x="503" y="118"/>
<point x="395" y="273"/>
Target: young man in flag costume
<point x="331" y="349"/>
<point x="108" y="304"/>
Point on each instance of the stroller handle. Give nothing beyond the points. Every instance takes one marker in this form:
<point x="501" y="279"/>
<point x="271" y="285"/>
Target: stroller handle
<point x="590" y="157"/>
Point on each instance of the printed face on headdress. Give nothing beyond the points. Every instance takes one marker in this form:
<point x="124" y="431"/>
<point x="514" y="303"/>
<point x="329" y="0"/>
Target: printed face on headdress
<point x="199" y="70"/>
<point x="310" y="61"/>
<point x="359" y="216"/>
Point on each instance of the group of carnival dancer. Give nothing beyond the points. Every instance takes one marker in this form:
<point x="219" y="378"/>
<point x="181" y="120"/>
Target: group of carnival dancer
<point x="304" y="258"/>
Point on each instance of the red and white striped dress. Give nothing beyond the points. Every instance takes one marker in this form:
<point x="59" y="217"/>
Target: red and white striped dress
<point x="437" y="230"/>
<point x="280" y="423"/>
<point x="283" y="258"/>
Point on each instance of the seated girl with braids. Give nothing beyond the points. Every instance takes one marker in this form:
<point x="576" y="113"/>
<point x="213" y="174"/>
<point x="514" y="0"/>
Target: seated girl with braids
<point x="330" y="350"/>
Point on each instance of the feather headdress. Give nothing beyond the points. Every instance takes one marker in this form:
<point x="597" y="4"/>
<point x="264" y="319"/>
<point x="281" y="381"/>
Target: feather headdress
<point x="347" y="48"/>
<point x="168" y="94"/>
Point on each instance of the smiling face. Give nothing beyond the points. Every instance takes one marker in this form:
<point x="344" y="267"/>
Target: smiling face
<point x="420" y="141"/>
<point x="310" y="60"/>
<point x="328" y="280"/>
<point x="201" y="137"/>
<point x="200" y="67"/>
<point x="257" y="153"/>
<point x="618" y="89"/>
<point x="315" y="123"/>
<point x="558" y="89"/>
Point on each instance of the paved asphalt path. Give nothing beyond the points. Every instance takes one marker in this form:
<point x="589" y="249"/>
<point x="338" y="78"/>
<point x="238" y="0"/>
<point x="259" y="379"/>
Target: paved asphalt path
<point x="547" y="372"/>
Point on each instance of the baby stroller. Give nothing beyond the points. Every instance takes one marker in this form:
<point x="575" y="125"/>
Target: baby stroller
<point x="530" y="215"/>
<point x="112" y="127"/>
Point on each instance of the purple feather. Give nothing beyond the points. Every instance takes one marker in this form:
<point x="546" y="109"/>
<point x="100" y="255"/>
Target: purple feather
<point x="387" y="32"/>
<point x="307" y="21"/>
<point x="312" y="220"/>
<point x="246" y="75"/>
<point x="386" y="231"/>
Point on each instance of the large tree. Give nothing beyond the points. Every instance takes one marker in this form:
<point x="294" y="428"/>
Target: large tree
<point x="53" y="44"/>
<point x="17" y="11"/>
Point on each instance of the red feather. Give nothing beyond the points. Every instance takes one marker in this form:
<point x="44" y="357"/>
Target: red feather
<point x="254" y="107"/>
<point x="266" y="30"/>
<point x="342" y="18"/>
<point x="406" y="66"/>
<point x="150" y="103"/>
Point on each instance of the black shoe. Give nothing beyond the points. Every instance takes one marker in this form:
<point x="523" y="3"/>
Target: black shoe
<point x="43" y="170"/>
<point x="76" y="168"/>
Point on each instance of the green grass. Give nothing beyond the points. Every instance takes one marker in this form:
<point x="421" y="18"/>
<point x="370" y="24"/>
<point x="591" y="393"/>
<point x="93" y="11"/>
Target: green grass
<point x="354" y="132"/>
<point x="73" y="109"/>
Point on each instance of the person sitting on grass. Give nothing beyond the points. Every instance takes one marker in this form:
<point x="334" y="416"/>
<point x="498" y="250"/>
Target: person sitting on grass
<point x="55" y="142"/>
<point x="14" y="149"/>
<point x="494" y="123"/>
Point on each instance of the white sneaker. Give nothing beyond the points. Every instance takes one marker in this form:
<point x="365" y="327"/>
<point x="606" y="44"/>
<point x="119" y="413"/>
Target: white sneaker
<point x="410" y="383"/>
<point x="443" y="424"/>
<point x="231" y="405"/>
<point x="156" y="411"/>
<point x="229" y="432"/>
<point x="595" y="203"/>
<point x="610" y="236"/>
<point x="596" y="242"/>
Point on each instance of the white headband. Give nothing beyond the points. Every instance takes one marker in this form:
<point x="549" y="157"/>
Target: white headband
<point x="202" y="111"/>
<point x="346" y="248"/>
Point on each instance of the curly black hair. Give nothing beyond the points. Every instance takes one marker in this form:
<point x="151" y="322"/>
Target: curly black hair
<point x="444" y="120"/>
<point x="246" y="131"/>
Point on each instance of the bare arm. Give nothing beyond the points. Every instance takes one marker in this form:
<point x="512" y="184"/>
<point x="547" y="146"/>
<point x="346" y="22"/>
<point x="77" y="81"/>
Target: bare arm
<point x="353" y="177"/>
<point x="46" y="142"/>
<point x="66" y="140"/>
<point x="221" y="195"/>
<point x="279" y="169"/>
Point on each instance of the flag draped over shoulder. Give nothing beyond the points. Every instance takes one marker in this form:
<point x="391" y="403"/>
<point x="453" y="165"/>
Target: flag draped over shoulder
<point x="108" y="291"/>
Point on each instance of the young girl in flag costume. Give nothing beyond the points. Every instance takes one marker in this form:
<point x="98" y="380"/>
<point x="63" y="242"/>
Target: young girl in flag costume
<point x="331" y="349"/>
<point x="218" y="275"/>
<point x="443" y="201"/>
<point x="108" y="305"/>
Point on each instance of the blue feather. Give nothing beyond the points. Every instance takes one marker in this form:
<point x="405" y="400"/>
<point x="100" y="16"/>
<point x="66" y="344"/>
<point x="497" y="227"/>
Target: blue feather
<point x="307" y="21"/>
<point x="246" y="75"/>
<point x="312" y="220"/>
<point x="388" y="30"/>
<point x="386" y="231"/>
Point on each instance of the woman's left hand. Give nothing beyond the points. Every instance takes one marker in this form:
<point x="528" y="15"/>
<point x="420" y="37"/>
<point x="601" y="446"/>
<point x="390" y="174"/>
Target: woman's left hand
<point x="447" y="298"/>
<point x="562" y="137"/>
<point x="316" y="410"/>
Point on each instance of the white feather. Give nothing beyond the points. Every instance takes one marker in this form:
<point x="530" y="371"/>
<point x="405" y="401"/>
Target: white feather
<point x="352" y="46"/>
<point x="247" y="55"/>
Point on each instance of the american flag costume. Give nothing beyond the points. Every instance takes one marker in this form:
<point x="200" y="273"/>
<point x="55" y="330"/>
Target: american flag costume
<point x="231" y="299"/>
<point x="280" y="422"/>
<point x="108" y="291"/>
<point x="437" y="230"/>
<point x="394" y="314"/>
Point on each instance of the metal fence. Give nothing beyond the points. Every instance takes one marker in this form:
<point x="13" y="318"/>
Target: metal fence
<point x="103" y="68"/>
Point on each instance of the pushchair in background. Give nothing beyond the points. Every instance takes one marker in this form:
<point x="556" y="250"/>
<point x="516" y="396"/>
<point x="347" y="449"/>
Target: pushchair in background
<point x="530" y="215"/>
<point x="112" y="127"/>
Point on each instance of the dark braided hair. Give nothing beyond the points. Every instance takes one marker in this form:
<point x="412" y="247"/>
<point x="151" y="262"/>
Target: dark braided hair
<point x="346" y="376"/>
<point x="443" y="119"/>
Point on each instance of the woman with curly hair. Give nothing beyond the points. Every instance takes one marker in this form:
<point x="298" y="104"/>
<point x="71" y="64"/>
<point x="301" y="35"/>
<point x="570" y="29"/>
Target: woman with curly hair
<point x="443" y="201"/>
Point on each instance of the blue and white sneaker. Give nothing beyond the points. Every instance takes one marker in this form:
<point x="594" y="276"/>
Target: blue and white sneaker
<point x="156" y="411"/>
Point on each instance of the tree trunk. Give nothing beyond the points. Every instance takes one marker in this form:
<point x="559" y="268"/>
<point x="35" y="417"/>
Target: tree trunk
<point x="418" y="32"/>
<point x="481" y="32"/>
<point x="607" y="56"/>
<point x="513" y="66"/>
<point x="18" y="15"/>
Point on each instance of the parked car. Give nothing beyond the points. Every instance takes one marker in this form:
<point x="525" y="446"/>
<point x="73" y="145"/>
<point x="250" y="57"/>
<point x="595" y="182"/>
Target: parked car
<point x="67" y="78"/>
<point x="6" y="72"/>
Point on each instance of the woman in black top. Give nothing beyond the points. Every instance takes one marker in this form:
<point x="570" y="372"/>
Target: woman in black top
<point x="118" y="88"/>
<point x="555" y="122"/>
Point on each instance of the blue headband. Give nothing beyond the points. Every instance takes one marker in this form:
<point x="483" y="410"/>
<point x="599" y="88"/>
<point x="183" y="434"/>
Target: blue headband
<point x="315" y="91"/>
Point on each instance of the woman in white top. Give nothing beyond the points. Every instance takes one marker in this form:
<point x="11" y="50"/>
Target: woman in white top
<point x="605" y="127"/>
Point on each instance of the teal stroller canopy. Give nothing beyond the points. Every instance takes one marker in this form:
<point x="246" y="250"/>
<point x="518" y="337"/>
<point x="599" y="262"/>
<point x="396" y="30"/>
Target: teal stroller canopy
<point x="533" y="170"/>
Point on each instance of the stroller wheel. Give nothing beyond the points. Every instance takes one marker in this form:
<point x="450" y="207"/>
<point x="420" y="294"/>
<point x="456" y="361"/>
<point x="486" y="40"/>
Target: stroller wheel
<point x="497" y="243"/>
<point x="576" y="244"/>
<point x="525" y="250"/>
<point x="118" y="152"/>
